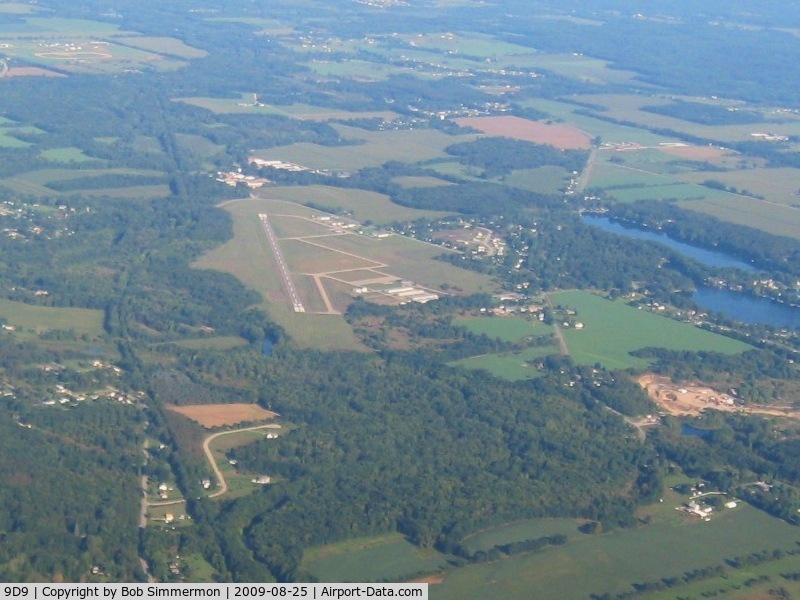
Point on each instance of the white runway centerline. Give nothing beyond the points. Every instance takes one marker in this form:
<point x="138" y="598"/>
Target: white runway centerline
<point x="286" y="277"/>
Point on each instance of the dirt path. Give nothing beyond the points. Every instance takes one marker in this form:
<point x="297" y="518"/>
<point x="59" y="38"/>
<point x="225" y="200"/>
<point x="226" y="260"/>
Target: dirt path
<point x="143" y="505"/>
<point x="166" y="503"/>
<point x="635" y="424"/>
<point x="143" y="515"/>
<point x="207" y="449"/>
<point x="562" y="343"/>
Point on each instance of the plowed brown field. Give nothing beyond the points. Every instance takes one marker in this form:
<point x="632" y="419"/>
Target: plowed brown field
<point x="564" y="137"/>
<point x="217" y="415"/>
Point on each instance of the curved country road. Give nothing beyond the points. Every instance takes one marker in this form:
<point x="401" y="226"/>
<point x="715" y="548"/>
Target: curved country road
<point x="207" y="449"/>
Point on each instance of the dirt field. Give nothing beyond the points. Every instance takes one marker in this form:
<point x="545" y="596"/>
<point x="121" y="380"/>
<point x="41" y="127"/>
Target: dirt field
<point x="684" y="399"/>
<point x="218" y="415"/>
<point x="564" y="137"/>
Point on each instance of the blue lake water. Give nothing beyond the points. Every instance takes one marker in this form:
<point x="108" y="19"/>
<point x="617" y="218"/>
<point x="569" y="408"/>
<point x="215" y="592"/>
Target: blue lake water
<point x="747" y="308"/>
<point x="709" y="258"/>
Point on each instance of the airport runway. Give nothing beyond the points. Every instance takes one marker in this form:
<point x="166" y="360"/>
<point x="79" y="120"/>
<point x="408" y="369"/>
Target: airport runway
<point x="286" y="277"/>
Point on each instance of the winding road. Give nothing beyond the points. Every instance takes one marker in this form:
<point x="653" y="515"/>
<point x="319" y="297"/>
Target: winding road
<point x="207" y="449"/>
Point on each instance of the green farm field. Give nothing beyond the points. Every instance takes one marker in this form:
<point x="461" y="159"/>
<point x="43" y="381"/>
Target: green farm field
<point x="35" y="182"/>
<point x="649" y="161"/>
<point x="612" y="562"/>
<point x="66" y="155"/>
<point x="359" y="204"/>
<point x="455" y="169"/>
<point x="772" y="218"/>
<point x="609" y="175"/>
<point x="240" y="105"/>
<point x="370" y="149"/>
<point x="544" y="180"/>
<point x="508" y="329"/>
<point x="54" y="27"/>
<point x="223" y="342"/>
<point x="583" y="68"/>
<point x="7" y="140"/>
<point x="162" y="45"/>
<point x="356" y="69"/>
<point x="521" y="531"/>
<point x="511" y="366"/>
<point x="674" y="191"/>
<point x="669" y="546"/>
<point x="244" y="105"/>
<point x="471" y="44"/>
<point x="198" y="145"/>
<point x="133" y="192"/>
<point x="430" y="60"/>
<point x="627" y="107"/>
<point x="613" y="329"/>
<point x="10" y="129"/>
<point x="416" y="181"/>
<point x="44" y="318"/>
<point x="775" y="185"/>
<point x="384" y="558"/>
<point x="607" y="132"/>
<point x="254" y="21"/>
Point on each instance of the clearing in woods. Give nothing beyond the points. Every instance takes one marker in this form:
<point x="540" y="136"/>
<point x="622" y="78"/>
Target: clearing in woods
<point x="218" y="415"/>
<point x="44" y="318"/>
<point x="691" y="399"/>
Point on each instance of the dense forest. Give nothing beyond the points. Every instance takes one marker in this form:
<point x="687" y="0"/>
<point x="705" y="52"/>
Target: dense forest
<point x="448" y="452"/>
